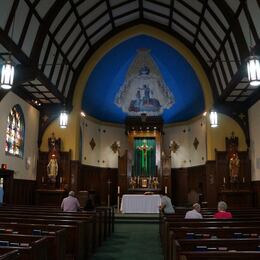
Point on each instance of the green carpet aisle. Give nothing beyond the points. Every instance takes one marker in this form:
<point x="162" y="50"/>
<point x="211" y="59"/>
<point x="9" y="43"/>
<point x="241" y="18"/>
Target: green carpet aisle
<point x="132" y="242"/>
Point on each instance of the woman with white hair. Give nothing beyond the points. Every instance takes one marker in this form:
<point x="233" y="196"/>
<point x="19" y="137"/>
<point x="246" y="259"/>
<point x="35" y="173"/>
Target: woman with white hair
<point x="222" y="211"/>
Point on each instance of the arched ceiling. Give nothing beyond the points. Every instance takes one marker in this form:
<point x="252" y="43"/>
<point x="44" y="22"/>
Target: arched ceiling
<point x="51" y="40"/>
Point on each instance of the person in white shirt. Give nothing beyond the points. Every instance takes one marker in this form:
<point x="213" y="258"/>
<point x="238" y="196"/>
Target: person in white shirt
<point x="195" y="213"/>
<point x="166" y="204"/>
<point x="70" y="204"/>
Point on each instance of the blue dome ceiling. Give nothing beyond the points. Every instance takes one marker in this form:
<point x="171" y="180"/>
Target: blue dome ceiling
<point x="112" y="72"/>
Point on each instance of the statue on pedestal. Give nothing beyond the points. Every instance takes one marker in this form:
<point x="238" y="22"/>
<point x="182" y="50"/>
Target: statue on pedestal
<point x="54" y="155"/>
<point x="234" y="164"/>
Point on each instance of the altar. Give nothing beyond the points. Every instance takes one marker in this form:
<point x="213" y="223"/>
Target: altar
<point x="135" y="203"/>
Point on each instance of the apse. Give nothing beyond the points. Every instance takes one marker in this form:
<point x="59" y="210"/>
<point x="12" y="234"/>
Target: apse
<point x="143" y="75"/>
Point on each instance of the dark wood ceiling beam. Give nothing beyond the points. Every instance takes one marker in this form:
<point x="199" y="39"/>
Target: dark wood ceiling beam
<point x="25" y="27"/>
<point x="204" y="49"/>
<point x="64" y="19"/>
<point x="110" y="14"/>
<point x="11" y="16"/>
<point x="99" y="29"/>
<point x="43" y="30"/>
<point x="200" y="21"/>
<point x="126" y="13"/>
<point x="60" y="73"/>
<point x="155" y="13"/>
<point x="122" y="4"/>
<point x="97" y="18"/>
<point x="156" y="2"/>
<point x="75" y="10"/>
<point x="171" y="13"/>
<point x="68" y="33"/>
<point x="239" y="75"/>
<point x="91" y="9"/>
<point x="189" y="7"/>
<point x="19" y="55"/>
<point x="253" y="30"/>
<point x="227" y="36"/>
<point x="234" y="27"/>
<point x="182" y="27"/>
<point x="141" y="8"/>
<point x="73" y="45"/>
<point x="54" y="64"/>
<point x="219" y="22"/>
<point x="184" y="17"/>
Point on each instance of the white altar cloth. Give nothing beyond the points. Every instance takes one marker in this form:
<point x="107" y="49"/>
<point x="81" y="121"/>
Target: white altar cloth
<point x="134" y="203"/>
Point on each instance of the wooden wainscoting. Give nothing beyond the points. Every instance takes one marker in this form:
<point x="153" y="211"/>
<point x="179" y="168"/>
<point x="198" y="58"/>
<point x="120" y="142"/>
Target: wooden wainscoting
<point x="95" y="180"/>
<point x="23" y="192"/>
<point x="256" y="193"/>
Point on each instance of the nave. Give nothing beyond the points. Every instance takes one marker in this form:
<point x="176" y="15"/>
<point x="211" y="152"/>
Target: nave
<point x="46" y="233"/>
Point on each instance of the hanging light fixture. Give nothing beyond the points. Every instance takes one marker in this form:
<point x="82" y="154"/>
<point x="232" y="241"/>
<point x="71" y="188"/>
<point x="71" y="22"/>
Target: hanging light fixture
<point x="253" y="64"/>
<point x="213" y="118"/>
<point x="63" y="119"/>
<point x="253" y="70"/>
<point x="7" y="74"/>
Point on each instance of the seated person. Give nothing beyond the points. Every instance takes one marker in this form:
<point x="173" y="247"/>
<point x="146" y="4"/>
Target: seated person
<point x="195" y="213"/>
<point x="70" y="203"/>
<point x="222" y="213"/>
<point x="166" y="204"/>
<point x="89" y="205"/>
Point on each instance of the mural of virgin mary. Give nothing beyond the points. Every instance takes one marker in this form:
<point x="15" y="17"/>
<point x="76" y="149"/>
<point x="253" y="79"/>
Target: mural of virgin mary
<point x="144" y="90"/>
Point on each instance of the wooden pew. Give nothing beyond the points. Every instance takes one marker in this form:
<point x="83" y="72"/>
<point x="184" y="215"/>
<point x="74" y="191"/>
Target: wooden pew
<point x="239" y="246"/>
<point x="9" y="254"/>
<point x="56" y="234"/>
<point x="30" y="247"/>
<point x="219" y="255"/>
<point x="75" y="243"/>
<point x="100" y="221"/>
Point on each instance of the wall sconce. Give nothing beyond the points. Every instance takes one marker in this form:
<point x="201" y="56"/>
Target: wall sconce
<point x="213" y="118"/>
<point x="63" y="119"/>
<point x="173" y="147"/>
<point x="115" y="146"/>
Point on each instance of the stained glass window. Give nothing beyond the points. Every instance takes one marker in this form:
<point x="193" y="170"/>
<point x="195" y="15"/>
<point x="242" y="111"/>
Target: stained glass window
<point x="14" y="142"/>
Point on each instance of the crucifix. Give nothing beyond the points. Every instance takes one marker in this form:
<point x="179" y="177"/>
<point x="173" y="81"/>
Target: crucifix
<point x="144" y="147"/>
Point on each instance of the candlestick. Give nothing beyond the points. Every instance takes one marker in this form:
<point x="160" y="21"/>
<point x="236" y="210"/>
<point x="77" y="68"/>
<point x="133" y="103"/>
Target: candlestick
<point x="118" y="189"/>
<point x="60" y="179"/>
<point x="165" y="189"/>
<point x="224" y="180"/>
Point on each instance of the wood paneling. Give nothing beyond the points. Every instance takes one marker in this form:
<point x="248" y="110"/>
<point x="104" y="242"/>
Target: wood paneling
<point x="95" y="180"/>
<point x="211" y="195"/>
<point x="180" y="186"/>
<point x="23" y="192"/>
<point x="256" y="193"/>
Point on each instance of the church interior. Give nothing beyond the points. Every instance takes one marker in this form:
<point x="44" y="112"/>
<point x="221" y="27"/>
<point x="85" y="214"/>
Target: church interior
<point x="121" y="101"/>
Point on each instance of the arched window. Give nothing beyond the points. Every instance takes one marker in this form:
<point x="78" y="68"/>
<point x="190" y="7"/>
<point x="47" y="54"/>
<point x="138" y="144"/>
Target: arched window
<point x="14" y="141"/>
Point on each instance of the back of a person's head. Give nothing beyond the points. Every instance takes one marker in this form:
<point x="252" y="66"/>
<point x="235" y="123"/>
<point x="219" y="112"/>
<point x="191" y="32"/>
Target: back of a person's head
<point x="222" y="206"/>
<point x="72" y="193"/>
<point x="196" y="206"/>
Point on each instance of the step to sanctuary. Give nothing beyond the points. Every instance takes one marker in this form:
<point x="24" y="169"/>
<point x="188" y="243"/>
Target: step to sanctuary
<point x="136" y="218"/>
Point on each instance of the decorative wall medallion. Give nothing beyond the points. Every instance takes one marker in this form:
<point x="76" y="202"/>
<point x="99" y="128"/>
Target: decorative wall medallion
<point x="115" y="146"/>
<point x="92" y="143"/>
<point x="196" y="143"/>
<point x="173" y="146"/>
